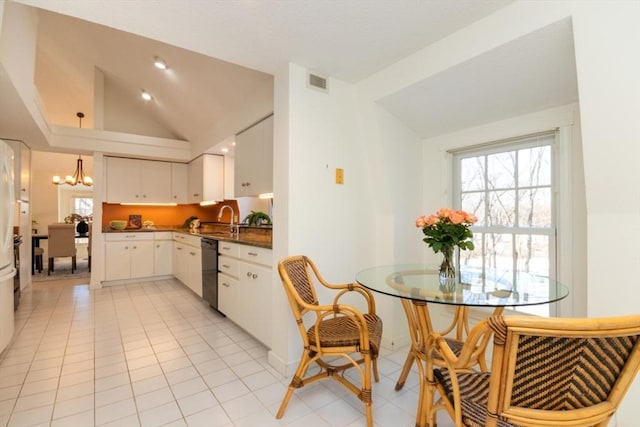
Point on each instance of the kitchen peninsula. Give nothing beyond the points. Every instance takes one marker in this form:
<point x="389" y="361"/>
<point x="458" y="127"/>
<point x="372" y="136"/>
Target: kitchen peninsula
<point x="235" y="278"/>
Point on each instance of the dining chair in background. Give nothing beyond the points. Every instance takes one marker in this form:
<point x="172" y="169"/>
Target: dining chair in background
<point x="336" y="334"/>
<point x="61" y="243"/>
<point x="544" y="372"/>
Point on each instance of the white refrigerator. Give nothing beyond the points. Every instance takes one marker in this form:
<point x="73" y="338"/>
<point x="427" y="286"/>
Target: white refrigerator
<point x="7" y="268"/>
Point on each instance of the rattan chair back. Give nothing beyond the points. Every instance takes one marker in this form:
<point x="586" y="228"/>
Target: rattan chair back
<point x="549" y="372"/>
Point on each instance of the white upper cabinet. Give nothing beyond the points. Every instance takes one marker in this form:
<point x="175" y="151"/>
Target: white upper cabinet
<point x="138" y="181"/>
<point x="253" y="169"/>
<point x="179" y="173"/>
<point x="206" y="179"/>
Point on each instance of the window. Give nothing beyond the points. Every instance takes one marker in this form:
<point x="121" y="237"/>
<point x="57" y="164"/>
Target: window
<point x="83" y="206"/>
<point x="509" y="186"/>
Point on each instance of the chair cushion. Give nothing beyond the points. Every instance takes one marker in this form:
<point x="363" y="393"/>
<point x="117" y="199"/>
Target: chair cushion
<point x="342" y="331"/>
<point x="474" y="390"/>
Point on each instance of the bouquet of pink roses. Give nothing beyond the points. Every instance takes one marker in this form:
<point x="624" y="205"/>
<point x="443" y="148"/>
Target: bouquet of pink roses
<point x="446" y="229"/>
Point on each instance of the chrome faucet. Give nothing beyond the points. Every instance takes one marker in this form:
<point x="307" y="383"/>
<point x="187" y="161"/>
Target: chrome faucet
<point x="233" y="227"/>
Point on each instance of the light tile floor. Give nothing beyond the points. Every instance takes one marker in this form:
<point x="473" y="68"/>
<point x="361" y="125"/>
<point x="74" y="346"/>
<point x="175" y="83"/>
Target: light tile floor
<point x="153" y="354"/>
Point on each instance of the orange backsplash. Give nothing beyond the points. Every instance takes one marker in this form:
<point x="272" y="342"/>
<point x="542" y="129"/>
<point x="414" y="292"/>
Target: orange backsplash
<point x="168" y="215"/>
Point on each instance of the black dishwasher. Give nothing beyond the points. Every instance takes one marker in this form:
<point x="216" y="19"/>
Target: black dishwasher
<point x="210" y="271"/>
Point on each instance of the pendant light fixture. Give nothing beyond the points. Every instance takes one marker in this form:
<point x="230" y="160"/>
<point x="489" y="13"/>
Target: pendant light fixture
<point x="78" y="176"/>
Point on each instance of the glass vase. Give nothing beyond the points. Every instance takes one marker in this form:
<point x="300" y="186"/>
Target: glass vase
<point x="447" y="267"/>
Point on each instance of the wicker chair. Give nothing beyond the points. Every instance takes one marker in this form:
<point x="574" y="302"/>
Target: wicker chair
<point x="334" y="334"/>
<point x="62" y="243"/>
<point x="545" y="372"/>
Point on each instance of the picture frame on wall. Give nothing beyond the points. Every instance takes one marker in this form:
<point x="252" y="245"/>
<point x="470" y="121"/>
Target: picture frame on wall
<point x="135" y="221"/>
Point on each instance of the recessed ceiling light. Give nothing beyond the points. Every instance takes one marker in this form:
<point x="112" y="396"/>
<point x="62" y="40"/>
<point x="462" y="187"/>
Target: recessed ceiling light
<point x="159" y="63"/>
<point x="146" y="95"/>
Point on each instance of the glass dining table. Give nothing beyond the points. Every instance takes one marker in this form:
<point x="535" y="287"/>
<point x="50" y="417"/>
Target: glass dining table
<point x="419" y="286"/>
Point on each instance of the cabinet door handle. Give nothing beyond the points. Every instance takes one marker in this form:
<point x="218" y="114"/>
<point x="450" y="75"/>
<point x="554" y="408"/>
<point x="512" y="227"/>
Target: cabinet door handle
<point x="225" y="266"/>
<point x="248" y="274"/>
<point x="225" y="284"/>
<point x="126" y="248"/>
<point x="252" y="254"/>
<point x="135" y="247"/>
<point x="255" y="276"/>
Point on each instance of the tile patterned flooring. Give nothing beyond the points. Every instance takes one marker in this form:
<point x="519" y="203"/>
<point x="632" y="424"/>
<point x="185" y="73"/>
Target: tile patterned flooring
<point x="153" y="354"/>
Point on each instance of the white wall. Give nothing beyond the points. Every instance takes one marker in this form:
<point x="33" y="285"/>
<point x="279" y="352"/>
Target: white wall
<point x="330" y="223"/>
<point x="343" y="228"/>
<point x="18" y="45"/>
<point x="607" y="41"/>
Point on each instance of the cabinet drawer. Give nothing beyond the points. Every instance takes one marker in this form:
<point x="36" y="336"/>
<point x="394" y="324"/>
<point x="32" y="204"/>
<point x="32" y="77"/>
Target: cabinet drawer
<point x="229" y="249"/>
<point x="119" y="237"/>
<point x="187" y="239"/>
<point x="256" y="254"/>
<point x="228" y="266"/>
<point x="162" y="235"/>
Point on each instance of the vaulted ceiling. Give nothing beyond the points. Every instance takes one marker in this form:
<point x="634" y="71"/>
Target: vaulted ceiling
<point x="219" y="53"/>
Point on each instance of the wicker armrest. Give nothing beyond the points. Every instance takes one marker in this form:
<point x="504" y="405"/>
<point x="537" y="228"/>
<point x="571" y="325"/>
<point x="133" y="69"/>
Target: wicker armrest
<point x="473" y="349"/>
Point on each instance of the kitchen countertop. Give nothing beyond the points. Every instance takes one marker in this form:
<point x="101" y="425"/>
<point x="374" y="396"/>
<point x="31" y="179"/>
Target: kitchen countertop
<point x="246" y="236"/>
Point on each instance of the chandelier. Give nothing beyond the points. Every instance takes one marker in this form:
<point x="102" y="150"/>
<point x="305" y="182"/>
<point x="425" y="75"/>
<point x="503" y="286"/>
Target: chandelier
<point x="78" y="176"/>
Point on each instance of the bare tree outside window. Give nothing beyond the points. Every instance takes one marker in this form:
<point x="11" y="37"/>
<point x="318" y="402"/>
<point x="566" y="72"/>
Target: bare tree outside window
<point x="509" y="187"/>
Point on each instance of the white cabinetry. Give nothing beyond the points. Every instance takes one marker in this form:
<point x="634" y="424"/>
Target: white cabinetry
<point x="187" y="261"/>
<point x="245" y="287"/>
<point x="206" y="179"/>
<point x="138" y="181"/>
<point x="128" y="255"/>
<point x="162" y="253"/>
<point x="253" y="163"/>
<point x="179" y="173"/>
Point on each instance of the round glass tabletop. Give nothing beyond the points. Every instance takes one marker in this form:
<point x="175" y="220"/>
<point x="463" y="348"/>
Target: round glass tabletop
<point x="472" y="287"/>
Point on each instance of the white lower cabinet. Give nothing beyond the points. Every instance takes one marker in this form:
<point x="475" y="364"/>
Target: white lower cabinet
<point x="187" y="261"/>
<point x="162" y="253"/>
<point x="128" y="255"/>
<point x="245" y="287"/>
<point x="228" y="296"/>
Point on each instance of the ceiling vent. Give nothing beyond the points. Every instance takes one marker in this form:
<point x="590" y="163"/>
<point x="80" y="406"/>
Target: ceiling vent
<point x="317" y="82"/>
